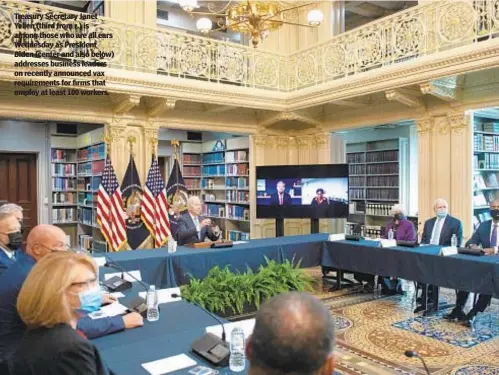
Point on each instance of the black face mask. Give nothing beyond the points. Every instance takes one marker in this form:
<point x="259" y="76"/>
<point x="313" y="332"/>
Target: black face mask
<point x="15" y="240"/>
<point x="494" y="214"/>
<point x="398" y="217"/>
<point x="22" y="226"/>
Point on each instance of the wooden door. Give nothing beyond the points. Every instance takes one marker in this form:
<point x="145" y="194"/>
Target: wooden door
<point x="18" y="176"/>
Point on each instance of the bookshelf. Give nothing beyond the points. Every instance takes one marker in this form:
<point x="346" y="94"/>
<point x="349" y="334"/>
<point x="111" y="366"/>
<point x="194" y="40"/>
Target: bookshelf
<point x="77" y="165"/>
<point x="378" y="176"/>
<point x="485" y="163"/>
<point x="224" y="182"/>
<point x="191" y="166"/>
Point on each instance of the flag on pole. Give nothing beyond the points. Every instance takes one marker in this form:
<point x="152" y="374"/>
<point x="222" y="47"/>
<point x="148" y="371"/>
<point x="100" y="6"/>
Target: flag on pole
<point x="131" y="188"/>
<point x="177" y="195"/>
<point x="110" y="215"/>
<point x="155" y="205"/>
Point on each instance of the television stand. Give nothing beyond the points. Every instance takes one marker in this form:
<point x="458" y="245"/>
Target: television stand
<point x="279" y="227"/>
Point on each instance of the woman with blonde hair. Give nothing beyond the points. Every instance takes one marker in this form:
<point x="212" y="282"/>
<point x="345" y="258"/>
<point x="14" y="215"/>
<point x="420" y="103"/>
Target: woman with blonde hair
<point x="48" y="304"/>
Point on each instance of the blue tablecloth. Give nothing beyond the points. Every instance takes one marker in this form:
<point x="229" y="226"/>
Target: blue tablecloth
<point x="167" y="270"/>
<point x="423" y="264"/>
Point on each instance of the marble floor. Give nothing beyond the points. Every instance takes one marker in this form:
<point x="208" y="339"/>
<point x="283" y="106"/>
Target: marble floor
<point x="373" y="332"/>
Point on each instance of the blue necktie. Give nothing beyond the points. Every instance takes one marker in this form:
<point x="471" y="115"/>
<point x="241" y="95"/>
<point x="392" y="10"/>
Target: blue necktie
<point x="493" y="237"/>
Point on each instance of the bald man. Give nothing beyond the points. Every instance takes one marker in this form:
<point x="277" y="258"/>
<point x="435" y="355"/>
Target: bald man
<point x="293" y="334"/>
<point x="43" y="240"/>
<point x="11" y="239"/>
<point x="192" y="227"/>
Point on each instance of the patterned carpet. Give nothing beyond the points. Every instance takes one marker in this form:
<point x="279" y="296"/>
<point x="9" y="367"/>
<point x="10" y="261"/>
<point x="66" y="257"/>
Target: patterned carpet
<point x="373" y="332"/>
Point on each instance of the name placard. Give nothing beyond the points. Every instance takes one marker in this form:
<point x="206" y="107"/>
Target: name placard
<point x="449" y="250"/>
<point x="336" y="237"/>
<point x="387" y="243"/>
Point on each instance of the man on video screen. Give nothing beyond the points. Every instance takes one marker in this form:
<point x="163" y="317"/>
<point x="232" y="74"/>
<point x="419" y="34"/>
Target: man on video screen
<point x="281" y="198"/>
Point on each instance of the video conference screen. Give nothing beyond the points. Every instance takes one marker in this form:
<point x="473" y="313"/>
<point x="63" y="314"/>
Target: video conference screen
<point x="302" y="191"/>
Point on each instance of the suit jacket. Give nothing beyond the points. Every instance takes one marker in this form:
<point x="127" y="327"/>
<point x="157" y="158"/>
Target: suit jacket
<point x="451" y="226"/>
<point x="12" y="328"/>
<point x="187" y="232"/>
<point x="59" y="350"/>
<point x="286" y="199"/>
<point x="5" y="261"/>
<point x="405" y="231"/>
<point x="481" y="237"/>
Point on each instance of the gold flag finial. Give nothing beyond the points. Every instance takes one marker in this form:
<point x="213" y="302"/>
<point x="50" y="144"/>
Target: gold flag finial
<point x="154" y="145"/>
<point x="131" y="141"/>
<point x="175" y="145"/>
<point x="108" y="139"/>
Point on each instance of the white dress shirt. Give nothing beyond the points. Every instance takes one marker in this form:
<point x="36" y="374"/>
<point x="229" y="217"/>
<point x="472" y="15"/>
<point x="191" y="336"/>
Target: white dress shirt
<point x="10" y="254"/>
<point x="437" y="230"/>
<point x="195" y="220"/>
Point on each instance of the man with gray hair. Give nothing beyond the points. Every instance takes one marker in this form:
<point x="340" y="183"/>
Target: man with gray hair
<point x="14" y="209"/>
<point x="192" y="227"/>
<point x="11" y="240"/>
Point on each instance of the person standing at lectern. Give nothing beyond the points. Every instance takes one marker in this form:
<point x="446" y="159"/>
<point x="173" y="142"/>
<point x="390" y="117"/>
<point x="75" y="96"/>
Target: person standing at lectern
<point x="281" y="198"/>
<point x="193" y="228"/>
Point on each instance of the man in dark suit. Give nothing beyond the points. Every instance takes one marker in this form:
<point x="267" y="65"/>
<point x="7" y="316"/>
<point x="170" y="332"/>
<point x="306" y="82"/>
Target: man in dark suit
<point x="487" y="237"/>
<point x="11" y="239"/>
<point x="43" y="240"/>
<point x="281" y="198"/>
<point x="193" y="228"/>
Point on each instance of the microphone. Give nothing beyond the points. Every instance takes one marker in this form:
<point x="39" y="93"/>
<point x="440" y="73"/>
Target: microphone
<point x="112" y="264"/>
<point x="210" y="347"/>
<point x="412" y="354"/>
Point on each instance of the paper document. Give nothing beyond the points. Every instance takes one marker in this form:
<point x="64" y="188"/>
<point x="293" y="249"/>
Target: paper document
<point x="238" y="242"/>
<point x="127" y="277"/>
<point x="164" y="295"/>
<point x="100" y="261"/>
<point x="336" y="237"/>
<point x="247" y="326"/>
<point x="117" y="295"/>
<point x="107" y="311"/>
<point x="170" y="364"/>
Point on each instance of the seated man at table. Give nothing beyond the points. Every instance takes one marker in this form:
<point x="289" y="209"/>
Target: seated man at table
<point x="487" y="237"/>
<point x="440" y="229"/>
<point x="43" y="240"/>
<point x="193" y="228"/>
<point x="293" y="334"/>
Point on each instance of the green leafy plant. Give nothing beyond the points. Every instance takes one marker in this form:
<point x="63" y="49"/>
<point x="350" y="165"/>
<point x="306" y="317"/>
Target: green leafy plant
<point x="222" y="289"/>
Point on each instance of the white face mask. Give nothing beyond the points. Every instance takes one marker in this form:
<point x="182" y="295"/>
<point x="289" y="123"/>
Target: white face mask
<point x="441" y="212"/>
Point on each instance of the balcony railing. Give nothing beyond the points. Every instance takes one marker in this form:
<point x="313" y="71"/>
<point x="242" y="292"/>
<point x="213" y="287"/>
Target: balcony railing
<point x="418" y="31"/>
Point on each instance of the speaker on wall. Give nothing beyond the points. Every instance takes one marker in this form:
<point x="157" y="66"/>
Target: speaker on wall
<point x="194" y="136"/>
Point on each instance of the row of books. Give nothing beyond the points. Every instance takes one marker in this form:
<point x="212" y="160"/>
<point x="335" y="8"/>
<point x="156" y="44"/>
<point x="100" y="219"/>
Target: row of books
<point x="483" y="198"/>
<point x="191" y="171"/>
<point x="192" y="184"/>
<point x="356" y="169"/>
<point x="63" y="198"/>
<point x="380" y="156"/>
<point x="357" y="194"/>
<point x="85" y="242"/>
<point x="93" y="168"/>
<point x="383" y="194"/>
<point x="87" y="216"/>
<point x="87" y="199"/>
<point x="61" y="183"/>
<point x="486" y="180"/>
<point x="237" y="196"/>
<point x="486" y="161"/>
<point x="237" y="169"/>
<point x="382" y="168"/>
<point x="239" y="156"/>
<point x="63" y="215"/>
<point x="383" y="181"/>
<point x="238" y="212"/>
<point x="235" y="235"/>
<point x="63" y="170"/>
<point x="92" y="152"/>
<point x="214" y="209"/>
<point x="89" y="183"/>
<point x="214" y="170"/>
<point x="483" y="142"/>
<point x="211" y="197"/>
<point x="237" y="182"/>
<point x="357" y="181"/>
<point x="216" y="157"/>
<point x="378" y="209"/>
<point x="191" y="159"/>
<point x="61" y="155"/>
<point x="488" y="127"/>
<point x="355" y="207"/>
<point x="358" y="157"/>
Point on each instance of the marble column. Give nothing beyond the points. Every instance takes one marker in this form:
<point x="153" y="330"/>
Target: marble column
<point x="338" y="17"/>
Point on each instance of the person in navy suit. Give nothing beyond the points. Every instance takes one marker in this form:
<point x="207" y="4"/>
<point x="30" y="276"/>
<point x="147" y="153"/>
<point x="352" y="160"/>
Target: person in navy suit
<point x="43" y="240"/>
<point x="193" y="228"/>
<point x="11" y="240"/>
<point x="487" y="237"/>
<point x="281" y="198"/>
<point x="440" y="229"/>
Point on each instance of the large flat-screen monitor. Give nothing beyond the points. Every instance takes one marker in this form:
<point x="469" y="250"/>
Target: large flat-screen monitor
<point x="302" y="191"/>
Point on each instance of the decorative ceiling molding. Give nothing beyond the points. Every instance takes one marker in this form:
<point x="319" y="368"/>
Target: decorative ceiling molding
<point x="445" y="89"/>
<point x="123" y="103"/>
<point x="219" y="108"/>
<point x="157" y="106"/>
<point x="398" y="96"/>
<point x="300" y="116"/>
<point x="348" y="103"/>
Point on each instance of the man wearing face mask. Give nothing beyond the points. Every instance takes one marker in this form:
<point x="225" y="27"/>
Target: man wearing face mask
<point x="403" y="229"/>
<point x="43" y="240"/>
<point x="487" y="237"/>
<point x="11" y="240"/>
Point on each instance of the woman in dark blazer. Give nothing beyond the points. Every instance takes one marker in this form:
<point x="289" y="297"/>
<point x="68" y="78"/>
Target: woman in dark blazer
<point x="56" y="287"/>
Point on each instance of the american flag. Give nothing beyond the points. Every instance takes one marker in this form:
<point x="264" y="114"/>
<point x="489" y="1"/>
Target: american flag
<point x="155" y="206"/>
<point x="110" y="215"/>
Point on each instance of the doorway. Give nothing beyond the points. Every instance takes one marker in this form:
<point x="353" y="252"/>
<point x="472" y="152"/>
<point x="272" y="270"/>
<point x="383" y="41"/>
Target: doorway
<point x="18" y="176"/>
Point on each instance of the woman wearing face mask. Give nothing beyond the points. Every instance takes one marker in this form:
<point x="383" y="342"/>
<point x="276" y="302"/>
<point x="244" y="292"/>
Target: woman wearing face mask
<point x="57" y="287"/>
<point x="403" y="229"/>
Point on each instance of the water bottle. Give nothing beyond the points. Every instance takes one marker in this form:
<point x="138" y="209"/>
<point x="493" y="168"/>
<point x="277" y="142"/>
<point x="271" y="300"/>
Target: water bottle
<point x="453" y="241"/>
<point x="390" y="234"/>
<point x="237" y="360"/>
<point x="152" y="304"/>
